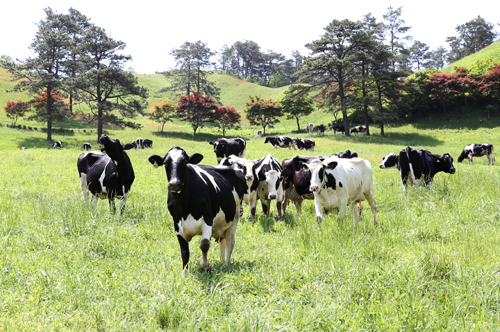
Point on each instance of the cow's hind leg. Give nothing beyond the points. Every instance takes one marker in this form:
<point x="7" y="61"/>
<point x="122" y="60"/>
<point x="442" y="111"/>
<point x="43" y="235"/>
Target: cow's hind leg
<point x="222" y="247"/>
<point x="85" y="188"/>
<point x="373" y="206"/>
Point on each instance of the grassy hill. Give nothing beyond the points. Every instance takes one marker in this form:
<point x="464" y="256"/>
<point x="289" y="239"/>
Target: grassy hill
<point x="490" y="52"/>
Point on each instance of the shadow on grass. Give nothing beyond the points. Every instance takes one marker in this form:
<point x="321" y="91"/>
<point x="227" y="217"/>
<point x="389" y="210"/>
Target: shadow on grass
<point x="200" y="137"/>
<point x="35" y="142"/>
<point x="216" y="271"/>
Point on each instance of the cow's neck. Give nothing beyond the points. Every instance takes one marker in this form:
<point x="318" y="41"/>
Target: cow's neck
<point x="124" y="168"/>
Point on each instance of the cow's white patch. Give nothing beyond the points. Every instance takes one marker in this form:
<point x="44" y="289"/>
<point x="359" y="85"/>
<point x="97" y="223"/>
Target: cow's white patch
<point x="201" y="171"/>
<point x="175" y="155"/>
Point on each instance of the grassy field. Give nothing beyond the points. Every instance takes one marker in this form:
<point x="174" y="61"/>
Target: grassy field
<point x="431" y="264"/>
<point x="489" y="52"/>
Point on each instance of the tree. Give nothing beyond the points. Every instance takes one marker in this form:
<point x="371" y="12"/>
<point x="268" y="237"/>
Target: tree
<point x="473" y="36"/>
<point x="196" y="109"/>
<point x="263" y="112"/>
<point x="60" y="109"/>
<point x="45" y="71"/>
<point x="295" y="108"/>
<point x="15" y="110"/>
<point x="112" y="93"/>
<point x="438" y="58"/>
<point x="193" y="62"/>
<point x="162" y="112"/>
<point x="420" y="55"/>
<point x="395" y="29"/>
<point x="226" y="117"/>
<point x="490" y="83"/>
<point x="332" y="60"/>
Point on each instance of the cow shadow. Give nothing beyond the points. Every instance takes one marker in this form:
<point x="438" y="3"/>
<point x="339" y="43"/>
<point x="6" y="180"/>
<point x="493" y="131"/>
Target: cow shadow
<point x="217" y="270"/>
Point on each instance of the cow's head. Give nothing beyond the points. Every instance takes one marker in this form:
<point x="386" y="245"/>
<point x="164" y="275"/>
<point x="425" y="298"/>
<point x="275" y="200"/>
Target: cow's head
<point x="113" y="148"/>
<point x="390" y="161"/>
<point x="176" y="161"/>
<point x="267" y="140"/>
<point x="465" y="153"/>
<point x="317" y="168"/>
<point x="445" y="163"/>
<point x="246" y="166"/>
<point x="273" y="181"/>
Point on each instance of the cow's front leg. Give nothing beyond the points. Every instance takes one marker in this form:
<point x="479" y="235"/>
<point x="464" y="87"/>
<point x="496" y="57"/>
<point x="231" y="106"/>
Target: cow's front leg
<point x="319" y="213"/>
<point x="355" y="213"/>
<point x="205" y="241"/>
<point x="184" y="254"/>
<point x="222" y="247"/>
<point x="252" y="200"/>
<point x="266" y="203"/>
<point x="123" y="201"/>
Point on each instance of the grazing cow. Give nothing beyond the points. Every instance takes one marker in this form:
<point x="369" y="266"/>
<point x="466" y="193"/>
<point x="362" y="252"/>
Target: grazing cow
<point x="87" y="146"/>
<point x="347" y="154"/>
<point x="390" y="161"/>
<point x="477" y="150"/>
<point x="309" y="128"/>
<point x="338" y="128"/>
<point x="420" y="166"/>
<point x="358" y="129"/>
<point x="337" y="183"/>
<point x="281" y="142"/>
<point x="305" y="144"/>
<point x="139" y="143"/>
<point x="258" y="135"/>
<point x="320" y="130"/>
<point x="57" y="145"/>
<point x="224" y="147"/>
<point x="23" y="148"/>
<point x="108" y="175"/>
<point x="147" y="143"/>
<point x="269" y="187"/>
<point x="202" y="200"/>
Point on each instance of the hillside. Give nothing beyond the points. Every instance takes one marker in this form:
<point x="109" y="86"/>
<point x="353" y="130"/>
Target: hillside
<point x="490" y="52"/>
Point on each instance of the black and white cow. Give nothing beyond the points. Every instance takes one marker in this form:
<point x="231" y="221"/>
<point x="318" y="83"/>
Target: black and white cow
<point x="280" y="142"/>
<point x="320" y="130"/>
<point x="147" y="143"/>
<point x="138" y="143"/>
<point x="309" y="128"/>
<point x="224" y="147"/>
<point x="339" y="128"/>
<point x="477" y="150"/>
<point x="247" y="167"/>
<point x="420" y="166"/>
<point x="358" y="129"/>
<point x="306" y="144"/>
<point x="57" y="145"/>
<point x="270" y="185"/>
<point x="202" y="200"/>
<point x="390" y="161"/>
<point x="337" y="183"/>
<point x="87" y="146"/>
<point x="347" y="154"/>
<point x="108" y="175"/>
<point x="258" y="135"/>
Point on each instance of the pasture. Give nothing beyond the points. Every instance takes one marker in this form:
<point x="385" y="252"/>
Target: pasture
<point x="431" y="264"/>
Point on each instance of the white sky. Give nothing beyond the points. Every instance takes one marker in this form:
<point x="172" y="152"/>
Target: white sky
<point x="151" y="29"/>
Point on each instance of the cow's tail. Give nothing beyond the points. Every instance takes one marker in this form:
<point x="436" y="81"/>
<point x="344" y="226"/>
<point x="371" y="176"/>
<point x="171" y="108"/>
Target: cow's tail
<point x="408" y="150"/>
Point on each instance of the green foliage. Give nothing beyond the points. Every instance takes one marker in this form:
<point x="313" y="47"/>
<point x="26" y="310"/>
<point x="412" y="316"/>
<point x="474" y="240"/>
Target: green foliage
<point x="263" y="112"/>
<point x="491" y="51"/>
<point x="296" y="108"/>
<point x="162" y="112"/>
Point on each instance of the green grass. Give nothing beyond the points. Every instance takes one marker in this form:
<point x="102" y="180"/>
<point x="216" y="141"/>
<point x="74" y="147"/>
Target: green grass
<point x="489" y="52"/>
<point x="431" y="264"/>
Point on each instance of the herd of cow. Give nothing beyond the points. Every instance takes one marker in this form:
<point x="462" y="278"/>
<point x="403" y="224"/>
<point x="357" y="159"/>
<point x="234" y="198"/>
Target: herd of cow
<point x="207" y="200"/>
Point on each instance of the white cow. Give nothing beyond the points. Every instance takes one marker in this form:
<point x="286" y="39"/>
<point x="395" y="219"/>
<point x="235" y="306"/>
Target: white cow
<point x="309" y="128"/>
<point x="337" y="183"/>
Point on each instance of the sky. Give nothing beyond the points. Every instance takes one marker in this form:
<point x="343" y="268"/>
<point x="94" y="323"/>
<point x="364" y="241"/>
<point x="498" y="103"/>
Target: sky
<point x="151" y="29"/>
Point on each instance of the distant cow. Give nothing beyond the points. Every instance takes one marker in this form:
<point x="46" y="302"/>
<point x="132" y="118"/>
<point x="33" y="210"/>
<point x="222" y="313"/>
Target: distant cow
<point x="358" y="129"/>
<point x="258" y="135"/>
<point x="147" y="143"/>
<point x="420" y="166"/>
<point x="306" y="144"/>
<point x="477" y="150"/>
<point x="108" y="175"/>
<point x="202" y="200"/>
<point x="57" y="145"/>
<point x="390" y="161"/>
<point x="338" y="128"/>
<point x="87" y="146"/>
<point x="309" y="128"/>
<point x="224" y="147"/>
<point x="347" y="154"/>
<point x="138" y="143"/>
<point x="281" y="142"/>
<point x="320" y="130"/>
<point x="337" y="183"/>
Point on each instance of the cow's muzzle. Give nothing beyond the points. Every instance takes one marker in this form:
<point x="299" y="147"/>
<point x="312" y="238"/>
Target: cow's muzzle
<point x="175" y="186"/>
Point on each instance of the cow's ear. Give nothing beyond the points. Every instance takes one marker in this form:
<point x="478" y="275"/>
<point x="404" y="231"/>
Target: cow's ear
<point x="156" y="161"/>
<point x="128" y="146"/>
<point x="211" y="143"/>
<point x="331" y="165"/>
<point x="195" y="158"/>
<point x="303" y="165"/>
<point x="103" y="150"/>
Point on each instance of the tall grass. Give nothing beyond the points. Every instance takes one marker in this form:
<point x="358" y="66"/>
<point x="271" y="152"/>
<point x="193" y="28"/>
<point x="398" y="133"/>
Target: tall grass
<point x="431" y="264"/>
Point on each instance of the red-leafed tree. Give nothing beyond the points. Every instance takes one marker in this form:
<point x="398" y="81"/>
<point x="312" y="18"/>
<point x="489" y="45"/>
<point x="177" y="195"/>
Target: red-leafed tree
<point x="196" y="109"/>
<point x="60" y="109"/>
<point x="490" y="84"/>
<point x="15" y="110"/>
<point x="226" y="117"/>
<point x="444" y="88"/>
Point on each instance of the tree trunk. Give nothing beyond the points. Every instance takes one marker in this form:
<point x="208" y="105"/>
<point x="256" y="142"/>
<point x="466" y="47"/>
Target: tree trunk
<point x="382" y="133"/>
<point x="99" y="122"/>
<point x="298" y="125"/>
<point x="49" y="113"/>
